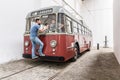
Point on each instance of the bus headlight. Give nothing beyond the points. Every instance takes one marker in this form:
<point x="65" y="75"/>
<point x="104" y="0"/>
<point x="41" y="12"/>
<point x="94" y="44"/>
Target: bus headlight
<point x="26" y="43"/>
<point x="53" y="43"/>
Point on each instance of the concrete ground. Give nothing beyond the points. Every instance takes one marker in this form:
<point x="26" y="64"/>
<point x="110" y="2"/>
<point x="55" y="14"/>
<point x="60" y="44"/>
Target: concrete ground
<point x="94" y="65"/>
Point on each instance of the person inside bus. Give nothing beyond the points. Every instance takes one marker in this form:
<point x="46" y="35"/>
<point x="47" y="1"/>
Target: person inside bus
<point x="34" y="38"/>
<point x="52" y="26"/>
<point x="61" y="28"/>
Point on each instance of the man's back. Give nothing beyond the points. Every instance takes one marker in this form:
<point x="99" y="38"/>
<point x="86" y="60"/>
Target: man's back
<point x="33" y="31"/>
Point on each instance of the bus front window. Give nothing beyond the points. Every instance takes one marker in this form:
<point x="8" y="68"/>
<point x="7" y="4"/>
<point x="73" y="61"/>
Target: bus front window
<point x="52" y="26"/>
<point x="49" y="19"/>
<point x="60" y="25"/>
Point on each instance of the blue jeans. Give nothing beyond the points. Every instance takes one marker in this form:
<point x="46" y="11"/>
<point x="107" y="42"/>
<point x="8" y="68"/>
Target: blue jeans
<point x="36" y="40"/>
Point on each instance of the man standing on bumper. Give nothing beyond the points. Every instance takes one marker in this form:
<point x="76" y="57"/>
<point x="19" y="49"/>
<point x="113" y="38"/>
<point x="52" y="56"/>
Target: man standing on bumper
<point x="34" y="38"/>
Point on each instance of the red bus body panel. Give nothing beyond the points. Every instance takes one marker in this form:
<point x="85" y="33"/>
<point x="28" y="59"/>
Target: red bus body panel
<point x="62" y="48"/>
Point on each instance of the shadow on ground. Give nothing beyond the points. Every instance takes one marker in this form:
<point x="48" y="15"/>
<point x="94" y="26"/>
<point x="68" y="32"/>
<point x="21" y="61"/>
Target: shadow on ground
<point x="94" y="65"/>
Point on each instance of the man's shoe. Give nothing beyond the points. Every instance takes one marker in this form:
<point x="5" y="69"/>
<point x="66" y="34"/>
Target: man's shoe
<point x="34" y="57"/>
<point x="42" y="54"/>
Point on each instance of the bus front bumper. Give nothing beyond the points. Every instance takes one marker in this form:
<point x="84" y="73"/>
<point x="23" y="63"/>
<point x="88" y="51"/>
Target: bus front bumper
<point x="46" y="58"/>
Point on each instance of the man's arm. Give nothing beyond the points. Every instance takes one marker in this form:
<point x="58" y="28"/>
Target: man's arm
<point x="43" y="29"/>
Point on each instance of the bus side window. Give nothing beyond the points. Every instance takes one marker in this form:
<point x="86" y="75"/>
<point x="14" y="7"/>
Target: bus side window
<point x="82" y="31"/>
<point x="61" y="26"/>
<point x="75" y="27"/>
<point x="68" y="26"/>
<point x="87" y="32"/>
<point x="29" y="23"/>
<point x="79" y="28"/>
<point x="28" y="26"/>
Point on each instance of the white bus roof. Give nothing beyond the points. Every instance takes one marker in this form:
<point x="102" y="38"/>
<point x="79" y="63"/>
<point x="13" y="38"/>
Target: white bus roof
<point x="48" y="10"/>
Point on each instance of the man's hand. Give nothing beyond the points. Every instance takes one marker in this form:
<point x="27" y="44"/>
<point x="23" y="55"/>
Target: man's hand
<point x="60" y="26"/>
<point x="45" y="27"/>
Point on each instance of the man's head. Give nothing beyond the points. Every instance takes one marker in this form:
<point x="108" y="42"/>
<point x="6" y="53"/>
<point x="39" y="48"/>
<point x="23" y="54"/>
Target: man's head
<point x="38" y="21"/>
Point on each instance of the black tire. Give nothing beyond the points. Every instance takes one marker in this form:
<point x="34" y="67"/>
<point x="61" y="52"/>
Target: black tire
<point x="88" y="49"/>
<point x="76" y="54"/>
<point x="89" y="46"/>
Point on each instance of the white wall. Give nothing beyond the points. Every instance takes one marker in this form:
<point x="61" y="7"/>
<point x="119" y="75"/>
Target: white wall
<point x="98" y="14"/>
<point x="12" y="27"/>
<point x="116" y="16"/>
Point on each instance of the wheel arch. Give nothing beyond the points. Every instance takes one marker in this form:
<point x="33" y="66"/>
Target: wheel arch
<point x="76" y="43"/>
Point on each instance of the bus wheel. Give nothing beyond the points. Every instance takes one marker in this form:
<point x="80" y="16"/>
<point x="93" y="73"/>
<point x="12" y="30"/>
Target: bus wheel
<point x="76" y="54"/>
<point x="89" y="46"/>
<point x="88" y="49"/>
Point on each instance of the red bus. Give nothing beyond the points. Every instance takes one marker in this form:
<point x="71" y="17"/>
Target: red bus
<point x="66" y="40"/>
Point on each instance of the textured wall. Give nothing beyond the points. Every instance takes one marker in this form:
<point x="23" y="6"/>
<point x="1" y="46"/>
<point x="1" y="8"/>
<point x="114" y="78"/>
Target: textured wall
<point x="116" y="17"/>
<point x="12" y="26"/>
<point x="98" y="14"/>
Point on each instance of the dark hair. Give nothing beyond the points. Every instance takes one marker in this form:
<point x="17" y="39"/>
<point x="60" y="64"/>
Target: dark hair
<point x="37" y="20"/>
<point x="46" y="24"/>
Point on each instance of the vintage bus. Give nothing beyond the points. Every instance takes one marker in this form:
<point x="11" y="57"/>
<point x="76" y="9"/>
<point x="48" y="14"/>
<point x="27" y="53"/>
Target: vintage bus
<point x="66" y="40"/>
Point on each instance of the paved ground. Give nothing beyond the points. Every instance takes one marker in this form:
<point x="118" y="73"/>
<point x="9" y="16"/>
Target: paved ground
<point x="30" y="70"/>
<point x="93" y="65"/>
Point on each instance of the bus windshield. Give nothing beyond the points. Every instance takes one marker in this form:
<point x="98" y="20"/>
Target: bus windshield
<point x="50" y="19"/>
